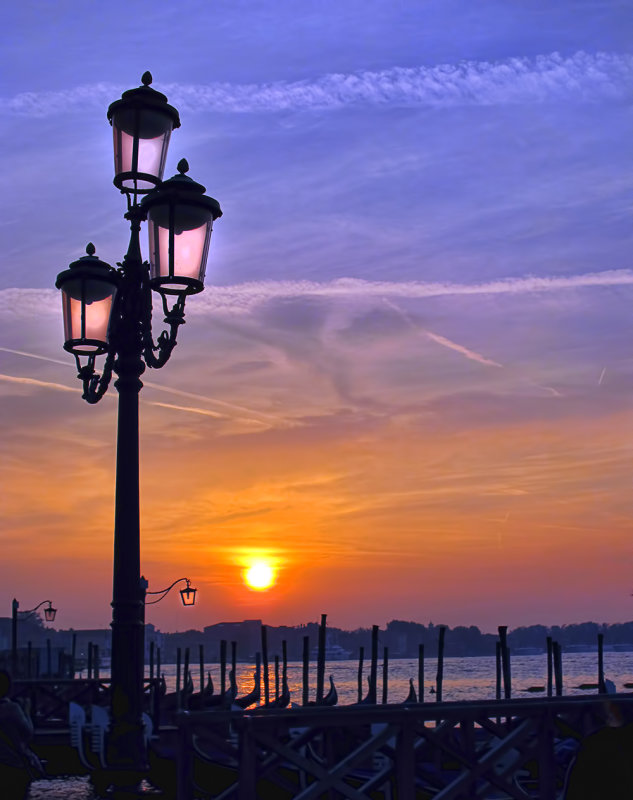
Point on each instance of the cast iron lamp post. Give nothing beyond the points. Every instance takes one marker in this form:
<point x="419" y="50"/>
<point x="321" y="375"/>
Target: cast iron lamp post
<point x="108" y="312"/>
<point x="49" y="616"/>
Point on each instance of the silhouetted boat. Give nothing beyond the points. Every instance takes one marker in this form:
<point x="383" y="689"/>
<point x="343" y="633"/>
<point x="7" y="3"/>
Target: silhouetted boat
<point x="283" y="701"/>
<point x="253" y="696"/>
<point x="333" y="652"/>
<point x="412" y="697"/>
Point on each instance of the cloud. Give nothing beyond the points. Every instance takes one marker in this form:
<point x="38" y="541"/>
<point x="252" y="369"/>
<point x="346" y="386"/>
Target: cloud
<point x="242" y="298"/>
<point x="582" y="77"/>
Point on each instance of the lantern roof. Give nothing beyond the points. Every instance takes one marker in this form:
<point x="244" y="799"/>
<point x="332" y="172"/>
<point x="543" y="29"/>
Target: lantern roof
<point x="90" y="265"/>
<point x="182" y="188"/>
<point x="144" y="97"/>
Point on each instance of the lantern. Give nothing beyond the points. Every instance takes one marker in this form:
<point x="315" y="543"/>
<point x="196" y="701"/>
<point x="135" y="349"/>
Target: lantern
<point x="142" y="122"/>
<point x="88" y="289"/>
<point x="188" y="595"/>
<point x="180" y="220"/>
<point x="49" y="613"/>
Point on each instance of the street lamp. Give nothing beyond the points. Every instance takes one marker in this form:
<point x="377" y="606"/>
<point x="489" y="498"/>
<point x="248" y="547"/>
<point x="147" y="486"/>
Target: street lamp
<point x="108" y="312"/>
<point x="49" y="616"/>
<point x="187" y="595"/>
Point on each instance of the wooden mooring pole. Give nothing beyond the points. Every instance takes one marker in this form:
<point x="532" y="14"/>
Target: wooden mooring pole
<point x="265" y="665"/>
<point x="223" y="667"/>
<point x="361" y="658"/>
<point x="550" y="665"/>
<point x="321" y="660"/>
<point x="421" y="673"/>
<point x="602" y="687"/>
<point x="439" y="678"/>
<point x="385" y="674"/>
<point x="305" y="698"/>
<point x="505" y="661"/>
<point x="373" y="667"/>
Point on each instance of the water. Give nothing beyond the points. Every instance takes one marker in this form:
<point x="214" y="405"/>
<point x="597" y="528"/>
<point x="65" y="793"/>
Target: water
<point x="464" y="679"/>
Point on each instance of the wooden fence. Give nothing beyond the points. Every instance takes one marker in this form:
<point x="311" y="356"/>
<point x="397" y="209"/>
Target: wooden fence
<point x="445" y="751"/>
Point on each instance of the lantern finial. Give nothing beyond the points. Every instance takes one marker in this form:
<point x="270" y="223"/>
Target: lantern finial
<point x="146" y="78"/>
<point x="183" y="166"/>
<point x="90" y="249"/>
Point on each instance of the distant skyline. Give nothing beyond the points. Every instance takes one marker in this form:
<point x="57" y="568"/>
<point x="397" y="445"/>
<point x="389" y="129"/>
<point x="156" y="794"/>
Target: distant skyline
<point x="408" y="382"/>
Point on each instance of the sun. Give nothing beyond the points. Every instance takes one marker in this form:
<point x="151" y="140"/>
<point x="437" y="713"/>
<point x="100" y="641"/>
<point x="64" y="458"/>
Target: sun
<point x="259" y="576"/>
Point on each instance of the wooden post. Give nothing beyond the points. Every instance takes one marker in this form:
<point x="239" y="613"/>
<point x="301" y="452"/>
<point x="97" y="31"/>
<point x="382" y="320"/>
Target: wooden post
<point x="151" y="659"/>
<point x="439" y="679"/>
<point x="558" y="668"/>
<point x="498" y="670"/>
<point x="385" y="674"/>
<point x="284" y="662"/>
<point x="321" y="660"/>
<point x="234" y="660"/>
<point x="201" y="659"/>
<point x="158" y="662"/>
<point x="265" y="665"/>
<point x="89" y="668"/>
<point x="361" y="658"/>
<point x="185" y="681"/>
<point x="505" y="661"/>
<point x="222" y="667"/>
<point x="178" y="658"/>
<point x="96" y="661"/>
<point x="421" y="673"/>
<point x="373" y="669"/>
<point x="305" y="699"/>
<point x="276" y="677"/>
<point x="602" y="687"/>
<point x="550" y="657"/>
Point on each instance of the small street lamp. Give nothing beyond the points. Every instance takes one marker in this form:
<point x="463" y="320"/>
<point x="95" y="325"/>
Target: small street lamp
<point x="187" y="595"/>
<point x="108" y="312"/>
<point x="49" y="616"/>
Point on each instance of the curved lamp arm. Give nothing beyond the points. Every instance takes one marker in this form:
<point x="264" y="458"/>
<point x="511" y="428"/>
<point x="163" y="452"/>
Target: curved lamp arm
<point x="49" y="612"/>
<point x="188" y="594"/>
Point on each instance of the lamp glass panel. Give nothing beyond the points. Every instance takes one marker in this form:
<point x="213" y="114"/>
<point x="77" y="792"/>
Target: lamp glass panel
<point x="49" y="614"/>
<point x="87" y="305"/>
<point x="152" y="131"/>
<point x="188" y="596"/>
<point x="191" y="249"/>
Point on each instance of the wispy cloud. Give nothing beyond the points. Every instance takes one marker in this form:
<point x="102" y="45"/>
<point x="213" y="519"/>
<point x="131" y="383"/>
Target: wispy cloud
<point x="246" y="296"/>
<point x="582" y="77"/>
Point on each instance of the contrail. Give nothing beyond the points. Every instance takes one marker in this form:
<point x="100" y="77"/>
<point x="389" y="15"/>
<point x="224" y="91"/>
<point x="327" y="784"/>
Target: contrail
<point x="602" y="374"/>
<point x="258" y="417"/>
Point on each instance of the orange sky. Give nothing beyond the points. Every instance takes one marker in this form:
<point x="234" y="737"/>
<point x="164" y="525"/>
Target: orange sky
<point x="385" y="474"/>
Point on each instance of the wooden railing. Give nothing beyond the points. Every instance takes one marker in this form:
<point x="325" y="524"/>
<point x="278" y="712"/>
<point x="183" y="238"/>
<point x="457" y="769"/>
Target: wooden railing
<point x="445" y="751"/>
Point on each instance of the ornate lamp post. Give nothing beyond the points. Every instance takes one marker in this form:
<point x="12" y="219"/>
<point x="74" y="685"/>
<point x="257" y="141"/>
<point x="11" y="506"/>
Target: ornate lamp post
<point x="49" y="616"/>
<point x="108" y="312"/>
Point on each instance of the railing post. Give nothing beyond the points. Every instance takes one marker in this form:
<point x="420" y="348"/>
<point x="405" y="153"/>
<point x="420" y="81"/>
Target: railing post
<point x="547" y="767"/>
<point x="184" y="762"/>
<point x="246" y="777"/>
<point x="405" y="761"/>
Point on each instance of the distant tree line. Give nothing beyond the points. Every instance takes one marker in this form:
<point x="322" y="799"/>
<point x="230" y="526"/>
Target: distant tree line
<point x="402" y="639"/>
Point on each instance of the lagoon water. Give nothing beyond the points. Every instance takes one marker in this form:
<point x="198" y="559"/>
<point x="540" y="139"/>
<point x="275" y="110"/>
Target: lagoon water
<point x="464" y="679"/>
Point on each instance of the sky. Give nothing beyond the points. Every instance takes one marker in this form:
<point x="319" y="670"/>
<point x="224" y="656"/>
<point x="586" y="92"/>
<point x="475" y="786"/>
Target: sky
<point x="407" y="384"/>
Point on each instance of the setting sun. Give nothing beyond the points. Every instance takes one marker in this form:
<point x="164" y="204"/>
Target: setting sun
<point x="259" y="576"/>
